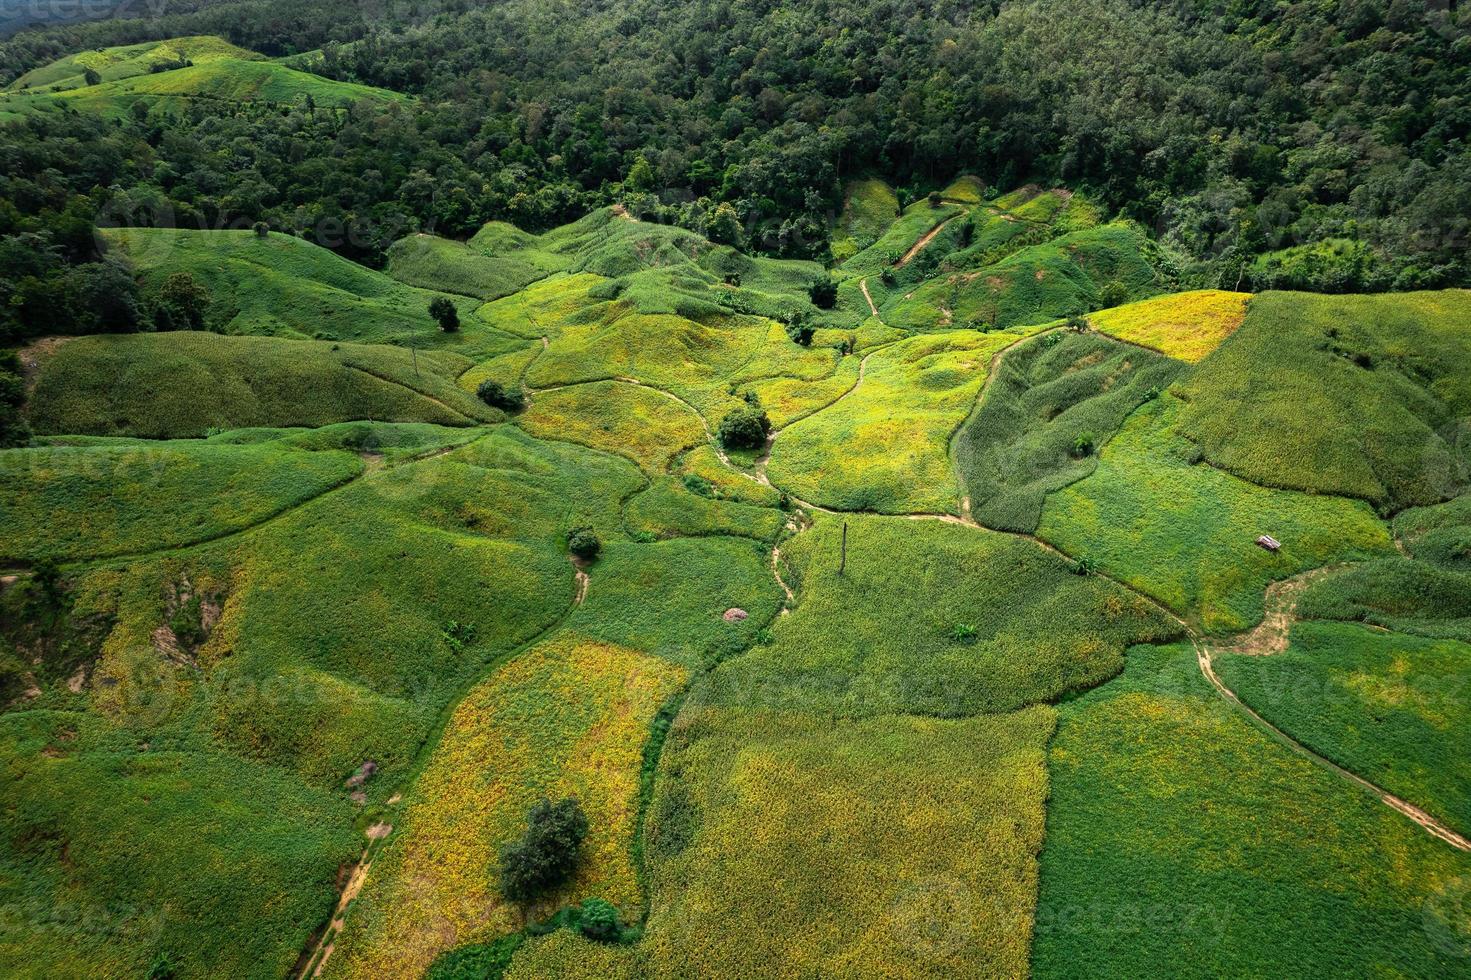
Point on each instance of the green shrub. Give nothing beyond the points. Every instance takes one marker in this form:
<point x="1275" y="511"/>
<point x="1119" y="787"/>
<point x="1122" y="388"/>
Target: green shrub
<point x="823" y="292"/>
<point x="744" y="428"/>
<point x="548" y="852"/>
<point x="698" y="485"/>
<point x="598" y="920"/>
<point x="1113" y="294"/>
<point x="497" y="395"/>
<point x="1084" y="444"/>
<point x="583" y="543"/>
<point x="445" y="314"/>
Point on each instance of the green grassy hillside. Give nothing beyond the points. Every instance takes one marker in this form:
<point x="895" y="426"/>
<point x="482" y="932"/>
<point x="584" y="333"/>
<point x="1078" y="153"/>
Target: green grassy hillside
<point x="819" y="697"/>
<point x="281" y="286"/>
<point x="115" y="64"/>
<point x="1065" y="276"/>
<point x="221" y="79"/>
<point x="1053" y="403"/>
<point x="173" y="385"/>
<point x="467" y="269"/>
<point x="1356" y="395"/>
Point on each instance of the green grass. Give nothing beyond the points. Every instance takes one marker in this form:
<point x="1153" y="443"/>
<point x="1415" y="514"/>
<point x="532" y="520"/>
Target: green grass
<point x="670" y="509"/>
<point x="457" y="267"/>
<point x="1039" y="631"/>
<point x="227" y="80"/>
<point x="128" y="61"/>
<point x="887" y="846"/>
<point x="117" y="852"/>
<point x="1183" y="841"/>
<point x="633" y="421"/>
<point x="568" y="717"/>
<point x="965" y="189"/>
<point x="869" y="207"/>
<point x="1185" y="533"/>
<point x="174" y="385"/>
<point x="1406" y="596"/>
<point x="1441" y="534"/>
<point x="282" y="286"/>
<point x="725" y="484"/>
<point x="1340" y="394"/>
<point x="1063" y="276"/>
<point x="917" y="221"/>
<point x="884" y="447"/>
<point x="1048" y="393"/>
<point x="1390" y="708"/>
<point x="668" y="351"/>
<point x="668" y="598"/>
<point x="69" y="502"/>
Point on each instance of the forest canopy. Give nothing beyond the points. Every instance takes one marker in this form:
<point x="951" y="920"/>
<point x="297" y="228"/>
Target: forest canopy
<point x="1311" y="145"/>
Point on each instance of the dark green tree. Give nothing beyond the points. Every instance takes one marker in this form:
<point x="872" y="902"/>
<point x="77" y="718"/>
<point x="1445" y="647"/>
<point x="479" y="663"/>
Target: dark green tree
<point x="546" y="854"/>
<point x="444" y="312"/>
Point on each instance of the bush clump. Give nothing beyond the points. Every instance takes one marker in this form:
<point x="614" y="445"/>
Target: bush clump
<point x="445" y="314"/>
<point x="583" y="543"/>
<point x="546" y="855"/>
<point x="823" y="292"/>
<point x="497" y="395"/>
<point x="744" y="428"/>
<point x="598" y="920"/>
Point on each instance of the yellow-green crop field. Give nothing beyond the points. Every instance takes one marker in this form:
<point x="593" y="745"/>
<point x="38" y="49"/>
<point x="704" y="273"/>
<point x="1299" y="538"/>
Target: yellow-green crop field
<point x="964" y="661"/>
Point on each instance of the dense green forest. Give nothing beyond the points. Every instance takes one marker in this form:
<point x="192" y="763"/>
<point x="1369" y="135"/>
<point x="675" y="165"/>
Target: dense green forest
<point x="1316" y="145"/>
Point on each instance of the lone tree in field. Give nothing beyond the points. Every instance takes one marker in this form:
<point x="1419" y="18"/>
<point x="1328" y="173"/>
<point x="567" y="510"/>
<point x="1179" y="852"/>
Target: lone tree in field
<point x="261" y="229"/>
<point x="583" y="543"/>
<point x="444" y="311"/>
<point x="497" y="395"/>
<point x="744" y="428"/>
<point x="823" y="292"/>
<point x="546" y="854"/>
<point x="90" y="77"/>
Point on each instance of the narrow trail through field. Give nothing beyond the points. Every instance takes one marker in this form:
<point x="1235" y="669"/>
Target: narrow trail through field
<point x="868" y="297"/>
<point x="312" y="961"/>
<point x="1270" y="636"/>
<point x="924" y="240"/>
<point x="1431" y="826"/>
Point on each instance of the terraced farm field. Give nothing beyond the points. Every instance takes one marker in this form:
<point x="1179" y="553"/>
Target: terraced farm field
<point x="658" y="620"/>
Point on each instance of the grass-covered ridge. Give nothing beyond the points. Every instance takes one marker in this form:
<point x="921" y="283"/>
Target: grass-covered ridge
<point x="116" y="63"/>
<point x="1052" y="405"/>
<point x="1355" y="395"/>
<point x="281" y="286"/>
<point x="1185" y="533"/>
<point x="184" y="384"/>
<point x="220" y="79"/>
